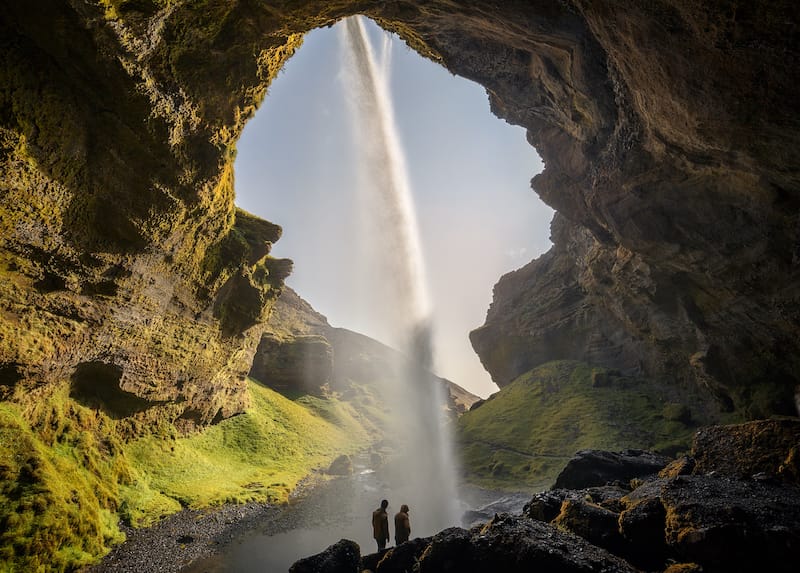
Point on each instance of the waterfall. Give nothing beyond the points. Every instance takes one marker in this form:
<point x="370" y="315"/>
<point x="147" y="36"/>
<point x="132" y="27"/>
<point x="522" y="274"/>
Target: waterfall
<point x="394" y="289"/>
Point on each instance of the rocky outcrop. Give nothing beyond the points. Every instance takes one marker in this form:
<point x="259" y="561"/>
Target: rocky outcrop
<point x="341" y="557"/>
<point x="768" y="447"/>
<point x="589" y="468"/>
<point x="726" y="513"/>
<point x="675" y="246"/>
<point x="301" y="364"/>
<point x="711" y="522"/>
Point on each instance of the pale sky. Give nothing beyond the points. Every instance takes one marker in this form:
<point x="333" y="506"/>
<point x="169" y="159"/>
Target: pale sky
<point x="470" y="176"/>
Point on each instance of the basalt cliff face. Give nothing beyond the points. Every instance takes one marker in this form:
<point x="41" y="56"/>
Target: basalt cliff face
<point x="669" y="133"/>
<point x="675" y="244"/>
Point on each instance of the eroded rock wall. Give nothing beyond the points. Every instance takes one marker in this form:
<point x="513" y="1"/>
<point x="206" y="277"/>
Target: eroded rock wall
<point x="675" y="246"/>
<point x="128" y="275"/>
<point x="669" y="130"/>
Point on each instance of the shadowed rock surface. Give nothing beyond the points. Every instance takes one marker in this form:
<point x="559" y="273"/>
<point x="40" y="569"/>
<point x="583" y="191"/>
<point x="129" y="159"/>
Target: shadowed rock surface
<point x="712" y="522"/>
<point x="341" y="557"/>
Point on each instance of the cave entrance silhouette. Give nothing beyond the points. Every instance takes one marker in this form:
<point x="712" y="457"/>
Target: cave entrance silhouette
<point x="470" y="176"/>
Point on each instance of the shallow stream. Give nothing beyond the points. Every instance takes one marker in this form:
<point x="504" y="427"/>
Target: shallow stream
<point x="339" y="509"/>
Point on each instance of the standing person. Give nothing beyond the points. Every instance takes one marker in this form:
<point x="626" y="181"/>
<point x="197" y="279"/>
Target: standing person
<point x="380" y="525"/>
<point x="402" y="525"/>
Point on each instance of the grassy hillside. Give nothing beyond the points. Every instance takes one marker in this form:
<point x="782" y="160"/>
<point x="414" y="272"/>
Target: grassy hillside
<point x="258" y="456"/>
<point x="65" y="483"/>
<point x="522" y="436"/>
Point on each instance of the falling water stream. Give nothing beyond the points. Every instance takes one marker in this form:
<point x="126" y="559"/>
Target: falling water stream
<point x="395" y="279"/>
<point x="419" y="469"/>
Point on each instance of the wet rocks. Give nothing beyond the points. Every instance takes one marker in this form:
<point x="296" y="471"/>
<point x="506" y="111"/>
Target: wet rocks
<point x="400" y="559"/>
<point x="344" y="556"/>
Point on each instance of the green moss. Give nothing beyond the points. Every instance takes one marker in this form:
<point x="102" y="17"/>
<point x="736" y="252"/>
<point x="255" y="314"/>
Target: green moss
<point x="260" y="455"/>
<point x="523" y="435"/>
<point x="57" y="491"/>
<point x="66" y="480"/>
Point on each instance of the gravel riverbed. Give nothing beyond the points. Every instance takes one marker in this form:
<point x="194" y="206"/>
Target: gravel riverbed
<point x="266" y="538"/>
<point x="190" y="535"/>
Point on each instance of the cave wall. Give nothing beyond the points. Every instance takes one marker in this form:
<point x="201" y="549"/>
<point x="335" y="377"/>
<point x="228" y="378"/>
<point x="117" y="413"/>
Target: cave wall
<point x="675" y="247"/>
<point x="668" y="131"/>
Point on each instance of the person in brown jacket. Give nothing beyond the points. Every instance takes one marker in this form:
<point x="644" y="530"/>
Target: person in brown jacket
<point x="380" y="525"/>
<point x="402" y="525"/>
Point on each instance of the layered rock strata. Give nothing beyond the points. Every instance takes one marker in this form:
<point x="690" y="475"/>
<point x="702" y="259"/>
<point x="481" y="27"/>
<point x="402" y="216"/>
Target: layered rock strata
<point x="675" y="244"/>
<point x="668" y="129"/>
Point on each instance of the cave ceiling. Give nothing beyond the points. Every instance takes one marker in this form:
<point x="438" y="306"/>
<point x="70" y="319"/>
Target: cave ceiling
<point x="669" y="132"/>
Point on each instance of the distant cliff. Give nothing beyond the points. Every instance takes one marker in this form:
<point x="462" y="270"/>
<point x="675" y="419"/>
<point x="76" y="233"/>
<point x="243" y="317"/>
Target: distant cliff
<point x="301" y="353"/>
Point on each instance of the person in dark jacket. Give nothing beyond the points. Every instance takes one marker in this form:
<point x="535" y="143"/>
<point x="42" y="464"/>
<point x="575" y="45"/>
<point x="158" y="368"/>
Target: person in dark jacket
<point x="380" y="525"/>
<point x="402" y="525"/>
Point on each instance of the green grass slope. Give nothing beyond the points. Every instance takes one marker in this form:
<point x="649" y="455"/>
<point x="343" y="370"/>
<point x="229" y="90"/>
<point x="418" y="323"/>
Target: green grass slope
<point x="521" y="437"/>
<point x="65" y="483"/>
<point x="257" y="456"/>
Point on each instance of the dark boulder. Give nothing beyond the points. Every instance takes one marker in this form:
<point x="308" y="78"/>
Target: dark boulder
<point x="515" y="544"/>
<point x="344" y="556"/>
<point x="341" y="466"/>
<point x="546" y="505"/>
<point x="680" y="467"/>
<point x="720" y="523"/>
<point x="400" y="559"/>
<point x="642" y="526"/>
<point x="725" y="524"/>
<point x="596" y="468"/>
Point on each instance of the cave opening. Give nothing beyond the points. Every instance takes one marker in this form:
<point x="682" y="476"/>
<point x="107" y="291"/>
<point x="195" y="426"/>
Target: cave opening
<point x="469" y="173"/>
